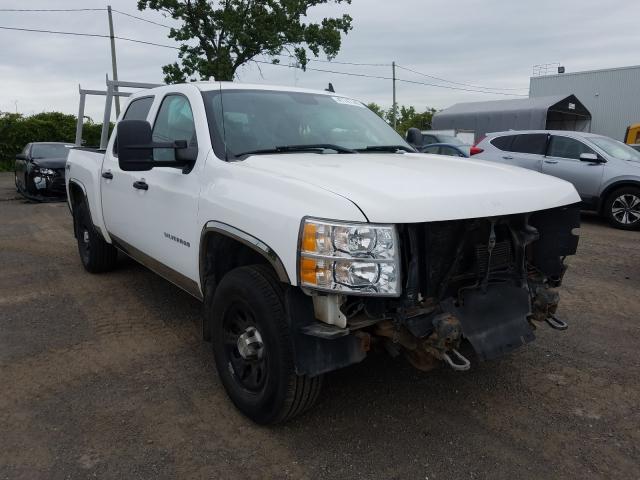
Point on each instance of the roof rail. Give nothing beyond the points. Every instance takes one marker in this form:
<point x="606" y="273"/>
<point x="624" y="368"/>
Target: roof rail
<point x="111" y="92"/>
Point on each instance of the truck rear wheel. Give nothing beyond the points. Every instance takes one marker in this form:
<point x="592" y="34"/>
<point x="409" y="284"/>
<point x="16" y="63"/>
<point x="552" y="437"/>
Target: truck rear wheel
<point x="96" y="255"/>
<point x="252" y="348"/>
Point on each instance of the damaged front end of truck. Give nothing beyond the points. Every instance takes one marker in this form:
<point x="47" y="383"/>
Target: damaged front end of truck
<point x="489" y="281"/>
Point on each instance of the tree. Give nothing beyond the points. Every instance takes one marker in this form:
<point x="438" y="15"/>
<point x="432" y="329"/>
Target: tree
<point x="16" y="130"/>
<point x="377" y="109"/>
<point x="219" y="37"/>
<point x="406" y="117"/>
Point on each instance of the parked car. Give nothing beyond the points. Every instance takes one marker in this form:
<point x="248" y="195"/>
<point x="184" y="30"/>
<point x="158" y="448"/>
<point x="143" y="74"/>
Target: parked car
<point x="447" y="149"/>
<point x="314" y="234"/>
<point x="40" y="170"/>
<point x="418" y="139"/>
<point x="461" y="137"/>
<point x="605" y="172"/>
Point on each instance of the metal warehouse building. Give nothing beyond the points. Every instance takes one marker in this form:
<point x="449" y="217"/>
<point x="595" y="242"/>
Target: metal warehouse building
<point x="611" y="95"/>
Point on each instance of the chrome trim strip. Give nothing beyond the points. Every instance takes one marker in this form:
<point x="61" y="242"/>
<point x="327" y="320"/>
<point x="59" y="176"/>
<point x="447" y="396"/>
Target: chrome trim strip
<point x="330" y="258"/>
<point x="168" y="273"/>
<point x="248" y="240"/>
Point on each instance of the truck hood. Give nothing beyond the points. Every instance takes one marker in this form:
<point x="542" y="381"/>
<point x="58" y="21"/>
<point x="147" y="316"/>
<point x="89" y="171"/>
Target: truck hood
<point x="50" y="162"/>
<point x="410" y="188"/>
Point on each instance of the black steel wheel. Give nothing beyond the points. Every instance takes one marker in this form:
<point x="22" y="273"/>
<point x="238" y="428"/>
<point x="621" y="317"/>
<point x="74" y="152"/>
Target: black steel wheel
<point x="622" y="208"/>
<point x="96" y="255"/>
<point x="244" y="347"/>
<point x="253" y="350"/>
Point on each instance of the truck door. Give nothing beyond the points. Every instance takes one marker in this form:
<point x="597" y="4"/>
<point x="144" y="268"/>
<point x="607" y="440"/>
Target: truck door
<point x="118" y="195"/>
<point x="167" y="210"/>
<point x="563" y="161"/>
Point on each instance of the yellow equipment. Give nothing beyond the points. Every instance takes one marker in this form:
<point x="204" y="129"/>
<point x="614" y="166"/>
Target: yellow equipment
<point x="632" y="137"/>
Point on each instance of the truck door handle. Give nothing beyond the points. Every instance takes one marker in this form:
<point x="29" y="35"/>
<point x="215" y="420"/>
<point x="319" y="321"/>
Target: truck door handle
<point x="141" y="185"/>
<point x="550" y="161"/>
<point x="108" y="175"/>
<point x="507" y="157"/>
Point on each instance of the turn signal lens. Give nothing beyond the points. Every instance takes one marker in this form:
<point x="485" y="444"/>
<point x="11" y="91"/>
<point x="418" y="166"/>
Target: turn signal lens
<point x="309" y="237"/>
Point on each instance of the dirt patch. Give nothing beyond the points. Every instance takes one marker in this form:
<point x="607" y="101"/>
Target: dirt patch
<point x="106" y="376"/>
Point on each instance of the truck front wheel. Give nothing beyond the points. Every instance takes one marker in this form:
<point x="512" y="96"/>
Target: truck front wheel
<point x="96" y="255"/>
<point x="252" y="347"/>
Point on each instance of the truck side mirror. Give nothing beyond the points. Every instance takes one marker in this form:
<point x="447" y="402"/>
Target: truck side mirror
<point x="135" y="146"/>
<point x="414" y="137"/>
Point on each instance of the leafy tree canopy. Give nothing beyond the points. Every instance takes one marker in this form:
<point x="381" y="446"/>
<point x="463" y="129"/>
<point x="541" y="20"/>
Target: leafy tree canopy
<point x="406" y="117"/>
<point x="16" y="130"/>
<point x="220" y="36"/>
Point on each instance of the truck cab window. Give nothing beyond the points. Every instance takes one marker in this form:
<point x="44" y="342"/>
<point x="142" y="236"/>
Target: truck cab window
<point x="138" y="109"/>
<point x="174" y="122"/>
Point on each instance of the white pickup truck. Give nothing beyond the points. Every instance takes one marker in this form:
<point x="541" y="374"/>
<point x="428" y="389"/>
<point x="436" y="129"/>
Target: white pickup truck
<point x="314" y="234"/>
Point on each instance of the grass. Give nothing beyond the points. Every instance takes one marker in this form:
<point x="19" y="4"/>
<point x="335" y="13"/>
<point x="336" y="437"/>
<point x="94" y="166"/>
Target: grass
<point x="6" y="165"/>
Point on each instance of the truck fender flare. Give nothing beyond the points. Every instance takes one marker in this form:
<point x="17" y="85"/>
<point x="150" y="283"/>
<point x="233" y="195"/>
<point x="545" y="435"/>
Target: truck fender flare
<point x="78" y="184"/>
<point x="246" y="239"/>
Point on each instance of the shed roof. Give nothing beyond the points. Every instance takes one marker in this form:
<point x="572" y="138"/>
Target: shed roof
<point x="519" y="104"/>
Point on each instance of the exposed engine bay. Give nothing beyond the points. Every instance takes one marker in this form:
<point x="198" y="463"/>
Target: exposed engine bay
<point x="486" y="280"/>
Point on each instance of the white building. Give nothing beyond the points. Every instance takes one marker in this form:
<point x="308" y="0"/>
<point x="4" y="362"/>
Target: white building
<point x="612" y="96"/>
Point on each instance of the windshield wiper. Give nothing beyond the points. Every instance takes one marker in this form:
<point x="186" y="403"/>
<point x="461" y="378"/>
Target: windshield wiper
<point x="386" y="148"/>
<point x="314" y="147"/>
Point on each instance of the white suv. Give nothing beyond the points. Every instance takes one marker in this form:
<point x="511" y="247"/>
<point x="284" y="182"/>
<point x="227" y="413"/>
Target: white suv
<point x="605" y="172"/>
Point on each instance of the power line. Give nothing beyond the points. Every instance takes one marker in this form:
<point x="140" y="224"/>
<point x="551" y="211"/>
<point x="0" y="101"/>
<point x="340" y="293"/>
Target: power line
<point x="455" y="83"/>
<point x="78" y="34"/>
<point x="141" y="19"/>
<point x="461" y="88"/>
<point x="52" y="9"/>
<point x="336" y="72"/>
<point x="380" y="77"/>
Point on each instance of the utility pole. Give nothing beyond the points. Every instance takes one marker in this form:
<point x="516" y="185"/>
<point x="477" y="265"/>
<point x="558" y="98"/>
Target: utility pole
<point x="393" y="68"/>
<point x="114" y="64"/>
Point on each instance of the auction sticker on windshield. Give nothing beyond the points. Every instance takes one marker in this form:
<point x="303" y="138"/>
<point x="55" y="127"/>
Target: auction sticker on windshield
<point x="348" y="101"/>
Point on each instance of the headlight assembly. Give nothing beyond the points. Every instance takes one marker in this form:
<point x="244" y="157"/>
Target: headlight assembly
<point x="44" y="171"/>
<point x="349" y="258"/>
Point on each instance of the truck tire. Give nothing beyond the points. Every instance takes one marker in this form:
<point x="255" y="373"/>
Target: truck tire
<point x="96" y="255"/>
<point x="252" y="347"/>
<point x="622" y="208"/>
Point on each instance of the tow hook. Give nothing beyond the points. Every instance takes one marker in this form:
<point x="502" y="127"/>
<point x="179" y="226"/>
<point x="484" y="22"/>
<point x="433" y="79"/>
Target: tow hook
<point x="555" y="323"/>
<point x="460" y="367"/>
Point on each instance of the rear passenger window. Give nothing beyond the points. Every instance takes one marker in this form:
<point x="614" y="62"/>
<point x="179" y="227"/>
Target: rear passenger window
<point x="503" y="143"/>
<point x="138" y="109"/>
<point x="565" y="147"/>
<point x="534" y="143"/>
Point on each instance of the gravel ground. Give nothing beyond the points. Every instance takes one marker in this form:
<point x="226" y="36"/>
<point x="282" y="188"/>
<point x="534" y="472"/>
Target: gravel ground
<point x="106" y="376"/>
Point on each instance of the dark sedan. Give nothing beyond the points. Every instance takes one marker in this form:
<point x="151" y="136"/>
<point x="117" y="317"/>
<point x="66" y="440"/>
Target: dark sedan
<point x="446" y="149"/>
<point x="40" y="170"/>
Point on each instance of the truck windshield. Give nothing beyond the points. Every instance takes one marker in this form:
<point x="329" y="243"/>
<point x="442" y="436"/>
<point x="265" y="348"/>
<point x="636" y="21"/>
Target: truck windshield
<point x="616" y="149"/>
<point x="263" y="121"/>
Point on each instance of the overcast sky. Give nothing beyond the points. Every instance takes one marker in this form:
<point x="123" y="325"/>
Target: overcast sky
<point x="488" y="43"/>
